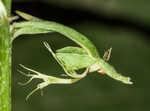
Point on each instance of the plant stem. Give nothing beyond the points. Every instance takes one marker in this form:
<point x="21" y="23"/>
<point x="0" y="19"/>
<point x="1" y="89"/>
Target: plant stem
<point x="5" y="61"/>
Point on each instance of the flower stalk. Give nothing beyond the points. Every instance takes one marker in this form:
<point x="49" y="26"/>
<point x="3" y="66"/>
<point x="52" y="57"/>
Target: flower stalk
<point x="5" y="56"/>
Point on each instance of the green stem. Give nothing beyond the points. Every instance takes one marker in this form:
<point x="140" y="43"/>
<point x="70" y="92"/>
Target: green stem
<point x="5" y="61"/>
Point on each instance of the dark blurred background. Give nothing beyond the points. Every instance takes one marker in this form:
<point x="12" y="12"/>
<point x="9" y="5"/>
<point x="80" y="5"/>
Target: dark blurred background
<point x="123" y="25"/>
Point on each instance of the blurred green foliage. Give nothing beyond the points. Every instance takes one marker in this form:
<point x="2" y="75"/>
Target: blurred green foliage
<point x="135" y="10"/>
<point x="130" y="56"/>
